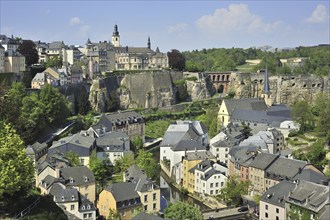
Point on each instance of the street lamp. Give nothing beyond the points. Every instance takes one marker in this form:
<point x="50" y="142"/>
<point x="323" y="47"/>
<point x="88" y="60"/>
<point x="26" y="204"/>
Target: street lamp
<point x="165" y="200"/>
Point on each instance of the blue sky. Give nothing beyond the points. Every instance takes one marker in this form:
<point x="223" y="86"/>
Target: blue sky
<point x="182" y="25"/>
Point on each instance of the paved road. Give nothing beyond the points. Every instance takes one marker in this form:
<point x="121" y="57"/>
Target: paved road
<point x="49" y="137"/>
<point x="225" y="214"/>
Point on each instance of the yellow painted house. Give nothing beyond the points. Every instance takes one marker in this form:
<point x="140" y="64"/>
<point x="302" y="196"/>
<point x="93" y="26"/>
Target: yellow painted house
<point x="191" y="160"/>
<point x="120" y="198"/>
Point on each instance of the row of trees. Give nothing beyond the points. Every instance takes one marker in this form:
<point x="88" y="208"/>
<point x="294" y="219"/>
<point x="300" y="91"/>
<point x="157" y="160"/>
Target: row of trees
<point x="222" y="59"/>
<point x="30" y="114"/>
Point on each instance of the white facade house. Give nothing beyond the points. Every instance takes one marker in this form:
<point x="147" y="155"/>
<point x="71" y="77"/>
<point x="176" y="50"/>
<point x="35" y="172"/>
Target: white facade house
<point x="209" y="178"/>
<point x="2" y="59"/>
<point x="220" y="146"/>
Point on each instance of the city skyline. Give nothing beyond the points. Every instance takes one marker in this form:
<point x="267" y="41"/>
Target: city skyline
<point x="182" y="25"/>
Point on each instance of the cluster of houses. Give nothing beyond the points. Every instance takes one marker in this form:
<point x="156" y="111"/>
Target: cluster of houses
<point x="250" y="146"/>
<point x="80" y="62"/>
<point x="74" y="188"/>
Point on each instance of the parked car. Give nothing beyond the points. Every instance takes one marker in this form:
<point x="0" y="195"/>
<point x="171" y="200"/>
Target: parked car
<point x="243" y="209"/>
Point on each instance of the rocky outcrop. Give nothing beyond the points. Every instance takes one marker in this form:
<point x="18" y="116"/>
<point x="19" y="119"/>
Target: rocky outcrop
<point x="147" y="89"/>
<point x="284" y="89"/>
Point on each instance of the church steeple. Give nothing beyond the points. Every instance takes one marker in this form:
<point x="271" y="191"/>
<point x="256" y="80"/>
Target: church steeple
<point x="115" y="37"/>
<point x="149" y="44"/>
<point x="266" y="91"/>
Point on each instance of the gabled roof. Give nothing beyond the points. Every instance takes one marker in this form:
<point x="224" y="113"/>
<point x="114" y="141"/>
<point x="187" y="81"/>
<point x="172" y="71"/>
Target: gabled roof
<point x="309" y="195"/>
<point x="39" y="77"/>
<point x="245" y="155"/>
<point x="199" y="155"/>
<point x="123" y="191"/>
<point x="77" y="176"/>
<point x="210" y="173"/>
<point x="311" y="176"/>
<point x="285" y="168"/>
<point x="146" y="216"/>
<point x="188" y="145"/>
<point x="38" y="147"/>
<point x="277" y="194"/>
<point x="134" y="172"/>
<point x="245" y="104"/>
<point x="56" y="45"/>
<point x="263" y="161"/>
<point x="63" y="195"/>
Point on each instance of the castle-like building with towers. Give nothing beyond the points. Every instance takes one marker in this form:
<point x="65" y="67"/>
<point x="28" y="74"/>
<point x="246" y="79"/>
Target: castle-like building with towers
<point x="109" y="56"/>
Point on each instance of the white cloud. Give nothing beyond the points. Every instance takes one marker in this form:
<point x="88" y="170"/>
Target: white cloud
<point x="237" y="18"/>
<point x="319" y="15"/>
<point x="177" y="28"/>
<point x="75" y="21"/>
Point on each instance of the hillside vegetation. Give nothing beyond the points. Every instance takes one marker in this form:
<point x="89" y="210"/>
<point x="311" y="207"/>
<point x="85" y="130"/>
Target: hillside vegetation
<point x="234" y="59"/>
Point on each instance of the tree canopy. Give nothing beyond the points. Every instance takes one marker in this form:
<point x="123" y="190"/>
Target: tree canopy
<point x="146" y="162"/>
<point x="16" y="168"/>
<point x="28" y="49"/>
<point x="233" y="191"/>
<point x="176" y="60"/>
<point x="182" y="211"/>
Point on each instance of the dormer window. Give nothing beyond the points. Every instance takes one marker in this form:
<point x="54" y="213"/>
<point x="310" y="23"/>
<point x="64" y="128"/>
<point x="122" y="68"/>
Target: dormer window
<point x="88" y="207"/>
<point x="62" y="198"/>
<point x="83" y="207"/>
<point x="72" y="197"/>
<point x="86" y="178"/>
<point x="71" y="180"/>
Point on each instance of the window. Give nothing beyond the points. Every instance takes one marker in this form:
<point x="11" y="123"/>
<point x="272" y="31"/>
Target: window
<point x="90" y="215"/>
<point x="221" y="184"/>
<point x="72" y="207"/>
<point x="146" y="207"/>
<point x="211" y="192"/>
<point x="154" y="196"/>
<point x="266" y="207"/>
<point x="85" y="215"/>
<point x="211" y="185"/>
<point x="146" y="198"/>
<point x="217" y="185"/>
<point x="266" y="214"/>
<point x="277" y="218"/>
<point x="154" y="206"/>
<point x="277" y="210"/>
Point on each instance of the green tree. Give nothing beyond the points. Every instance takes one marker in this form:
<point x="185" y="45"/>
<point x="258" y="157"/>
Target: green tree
<point x="233" y="191"/>
<point x="176" y="60"/>
<point x="114" y="215"/>
<point x="32" y="117"/>
<point x="28" y="49"/>
<point x="317" y="154"/>
<point x="209" y="119"/>
<point x="73" y="158"/>
<point x="100" y="169"/>
<point x="322" y="110"/>
<point x="301" y="113"/>
<point x="56" y="106"/>
<point x="146" y="162"/>
<point x="16" y="168"/>
<point x="124" y="163"/>
<point x="83" y="104"/>
<point x="55" y="61"/>
<point x="182" y="211"/>
<point x="137" y="143"/>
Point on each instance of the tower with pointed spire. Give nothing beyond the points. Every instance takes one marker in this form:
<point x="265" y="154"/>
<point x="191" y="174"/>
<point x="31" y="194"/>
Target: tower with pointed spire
<point x="266" y="94"/>
<point x="115" y="37"/>
<point x="149" y="44"/>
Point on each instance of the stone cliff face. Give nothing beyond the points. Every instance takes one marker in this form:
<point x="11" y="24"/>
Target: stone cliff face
<point x="145" y="90"/>
<point x="284" y="89"/>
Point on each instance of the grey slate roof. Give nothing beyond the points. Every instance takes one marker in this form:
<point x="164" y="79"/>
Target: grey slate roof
<point x="276" y="194"/>
<point x="38" y="147"/>
<point x="309" y="195"/>
<point x="285" y="168"/>
<point x="123" y="191"/>
<point x="134" y="172"/>
<point x="209" y="174"/>
<point x="56" y="45"/>
<point x="78" y="143"/>
<point x="263" y="161"/>
<point x="245" y="104"/>
<point x="245" y="155"/>
<point x="199" y="155"/>
<point x="62" y="195"/>
<point x="257" y="117"/>
<point x="80" y="175"/>
<point x="311" y="176"/>
<point x="39" y="77"/>
<point x="85" y="205"/>
<point x="124" y="117"/>
<point x="202" y="166"/>
<point x="188" y="145"/>
<point x="146" y="216"/>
